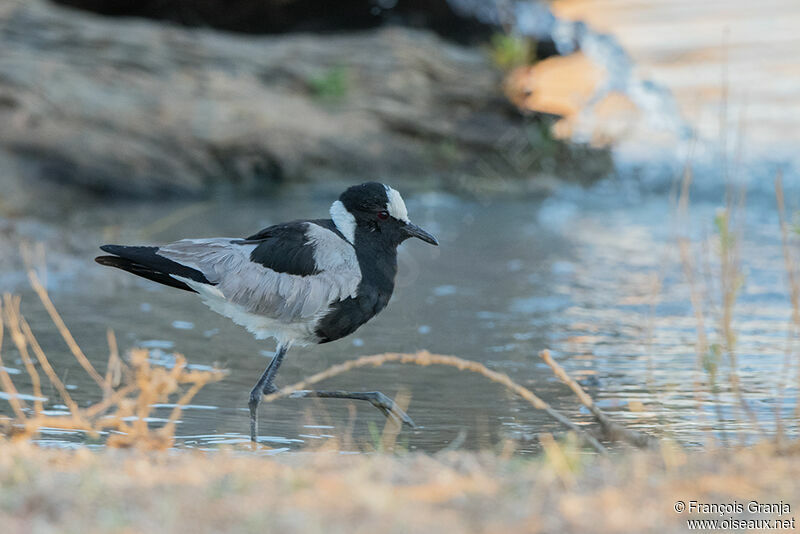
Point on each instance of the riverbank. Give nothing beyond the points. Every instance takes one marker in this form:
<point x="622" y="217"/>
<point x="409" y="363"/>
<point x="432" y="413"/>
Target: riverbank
<point x="127" y="107"/>
<point x="563" y="490"/>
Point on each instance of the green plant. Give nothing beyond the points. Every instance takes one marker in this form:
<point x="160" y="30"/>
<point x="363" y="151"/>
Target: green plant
<point x="446" y="152"/>
<point x="332" y="85"/>
<point x="509" y="51"/>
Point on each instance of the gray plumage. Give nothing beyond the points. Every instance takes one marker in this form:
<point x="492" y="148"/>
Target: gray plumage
<point x="243" y="289"/>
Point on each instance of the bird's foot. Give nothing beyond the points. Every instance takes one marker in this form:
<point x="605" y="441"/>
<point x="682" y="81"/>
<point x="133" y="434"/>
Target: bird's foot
<point x="269" y="389"/>
<point x="387" y="406"/>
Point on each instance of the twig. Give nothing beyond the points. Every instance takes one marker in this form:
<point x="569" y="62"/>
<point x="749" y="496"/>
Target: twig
<point x="392" y="427"/>
<point x="64" y="331"/>
<point x="425" y="358"/>
<point x="5" y="379"/>
<point x="701" y="346"/>
<point x="48" y="369"/>
<point x="12" y="320"/>
<point x="794" y="288"/>
<point x="168" y="430"/>
<point x="115" y="366"/>
<point x="730" y="278"/>
<point x="611" y="429"/>
<point x="114" y="400"/>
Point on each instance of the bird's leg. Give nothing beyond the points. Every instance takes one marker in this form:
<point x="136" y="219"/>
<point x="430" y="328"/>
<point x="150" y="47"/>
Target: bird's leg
<point x="263" y="386"/>
<point x="386" y="405"/>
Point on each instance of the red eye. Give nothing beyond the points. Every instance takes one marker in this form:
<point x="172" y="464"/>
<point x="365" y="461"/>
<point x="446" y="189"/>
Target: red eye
<point x="383" y="215"/>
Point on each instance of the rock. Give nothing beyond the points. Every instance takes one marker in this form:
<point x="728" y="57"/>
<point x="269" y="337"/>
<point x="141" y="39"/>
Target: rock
<point x="573" y="88"/>
<point x="559" y="85"/>
<point x="140" y="108"/>
<point x="134" y="107"/>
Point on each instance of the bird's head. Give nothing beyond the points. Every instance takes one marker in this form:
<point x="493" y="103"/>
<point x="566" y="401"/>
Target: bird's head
<point x="378" y="209"/>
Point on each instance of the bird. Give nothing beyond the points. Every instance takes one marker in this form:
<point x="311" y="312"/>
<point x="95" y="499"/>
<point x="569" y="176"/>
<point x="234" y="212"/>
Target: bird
<point x="303" y="282"/>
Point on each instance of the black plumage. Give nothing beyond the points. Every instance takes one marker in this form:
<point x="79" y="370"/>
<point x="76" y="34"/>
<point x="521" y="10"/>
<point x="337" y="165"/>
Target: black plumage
<point x="145" y="262"/>
<point x="378" y="265"/>
<point x="284" y="248"/>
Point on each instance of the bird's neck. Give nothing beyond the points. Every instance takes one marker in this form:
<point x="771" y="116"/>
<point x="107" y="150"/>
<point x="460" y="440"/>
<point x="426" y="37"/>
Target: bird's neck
<point x="377" y="259"/>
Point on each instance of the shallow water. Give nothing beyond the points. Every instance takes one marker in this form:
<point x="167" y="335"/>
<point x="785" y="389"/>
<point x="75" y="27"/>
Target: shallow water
<point x="594" y="275"/>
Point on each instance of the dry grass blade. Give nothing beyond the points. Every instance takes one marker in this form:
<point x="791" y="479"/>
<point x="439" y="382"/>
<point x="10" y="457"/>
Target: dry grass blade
<point x="701" y="347"/>
<point x="613" y="430"/>
<point x="168" y="430"/>
<point x="557" y="458"/>
<point x="175" y="217"/>
<point x="152" y="384"/>
<point x="392" y="427"/>
<point x="5" y="378"/>
<point x="11" y="317"/>
<point x="64" y="331"/>
<point x="731" y="279"/>
<point x="794" y="286"/>
<point x="115" y="366"/>
<point x="107" y="403"/>
<point x="425" y="358"/>
<point x="562" y="375"/>
<point x="791" y="272"/>
<point x="48" y="369"/>
<point x="704" y="351"/>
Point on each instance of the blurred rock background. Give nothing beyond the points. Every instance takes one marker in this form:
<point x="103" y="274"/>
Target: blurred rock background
<point x="160" y="99"/>
<point x="155" y="101"/>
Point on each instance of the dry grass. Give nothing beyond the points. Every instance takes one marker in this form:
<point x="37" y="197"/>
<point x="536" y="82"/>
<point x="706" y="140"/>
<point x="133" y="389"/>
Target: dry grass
<point x="563" y="491"/>
<point x="793" y="279"/>
<point x="128" y="391"/>
<point x="714" y="275"/>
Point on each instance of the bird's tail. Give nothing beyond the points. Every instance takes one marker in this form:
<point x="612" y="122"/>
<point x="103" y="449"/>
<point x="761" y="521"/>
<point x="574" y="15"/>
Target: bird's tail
<point x="144" y="262"/>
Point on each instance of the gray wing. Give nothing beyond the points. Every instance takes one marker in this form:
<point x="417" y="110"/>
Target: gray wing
<point x="257" y="289"/>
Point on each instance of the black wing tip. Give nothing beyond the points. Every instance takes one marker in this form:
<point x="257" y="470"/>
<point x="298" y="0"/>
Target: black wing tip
<point x="109" y="261"/>
<point x="120" y="250"/>
<point x="113" y="249"/>
<point x="143" y="270"/>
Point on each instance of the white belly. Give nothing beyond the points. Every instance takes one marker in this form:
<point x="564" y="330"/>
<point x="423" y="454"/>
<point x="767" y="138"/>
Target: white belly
<point x="262" y="327"/>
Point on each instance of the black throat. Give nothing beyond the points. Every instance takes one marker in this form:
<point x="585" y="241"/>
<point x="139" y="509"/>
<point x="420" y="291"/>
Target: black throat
<point x="377" y="260"/>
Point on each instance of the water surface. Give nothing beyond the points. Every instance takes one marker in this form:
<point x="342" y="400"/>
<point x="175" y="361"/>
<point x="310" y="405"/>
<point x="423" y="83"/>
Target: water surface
<point x="594" y="275"/>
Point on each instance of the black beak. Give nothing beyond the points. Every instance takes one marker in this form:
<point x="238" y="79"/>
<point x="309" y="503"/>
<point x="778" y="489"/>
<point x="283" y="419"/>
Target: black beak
<point x="412" y="230"/>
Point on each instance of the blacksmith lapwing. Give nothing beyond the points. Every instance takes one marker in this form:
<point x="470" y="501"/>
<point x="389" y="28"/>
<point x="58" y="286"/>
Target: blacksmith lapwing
<point x="301" y="282"/>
